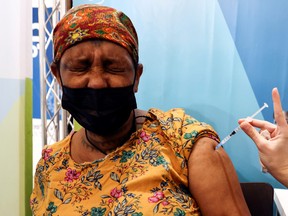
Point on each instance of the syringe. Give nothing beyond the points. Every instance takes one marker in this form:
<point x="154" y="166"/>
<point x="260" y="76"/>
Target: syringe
<point x="238" y="128"/>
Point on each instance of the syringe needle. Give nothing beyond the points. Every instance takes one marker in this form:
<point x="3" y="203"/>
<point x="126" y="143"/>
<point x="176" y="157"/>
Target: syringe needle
<point x="238" y="128"/>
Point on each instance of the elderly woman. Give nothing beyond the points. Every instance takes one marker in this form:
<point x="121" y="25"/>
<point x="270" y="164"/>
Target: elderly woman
<point x="125" y="161"/>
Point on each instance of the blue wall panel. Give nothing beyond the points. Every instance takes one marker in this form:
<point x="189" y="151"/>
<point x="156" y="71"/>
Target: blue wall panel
<point x="259" y="30"/>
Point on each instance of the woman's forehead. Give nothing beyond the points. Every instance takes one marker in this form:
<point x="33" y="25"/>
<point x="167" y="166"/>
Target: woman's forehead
<point x="100" y="48"/>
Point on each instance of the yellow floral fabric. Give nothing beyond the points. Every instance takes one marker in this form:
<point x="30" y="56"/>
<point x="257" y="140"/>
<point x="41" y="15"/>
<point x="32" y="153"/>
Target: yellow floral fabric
<point x="145" y="176"/>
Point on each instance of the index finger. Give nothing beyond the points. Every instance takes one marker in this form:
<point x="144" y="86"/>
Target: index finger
<point x="261" y="124"/>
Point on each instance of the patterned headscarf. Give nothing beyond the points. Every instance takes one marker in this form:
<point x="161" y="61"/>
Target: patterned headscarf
<point x="92" y="21"/>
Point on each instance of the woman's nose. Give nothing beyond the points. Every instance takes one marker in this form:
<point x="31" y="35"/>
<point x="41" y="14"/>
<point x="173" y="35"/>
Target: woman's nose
<point x="97" y="80"/>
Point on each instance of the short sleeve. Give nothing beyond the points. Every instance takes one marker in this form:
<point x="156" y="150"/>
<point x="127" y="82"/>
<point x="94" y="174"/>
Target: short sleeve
<point x="182" y="130"/>
<point x="192" y="130"/>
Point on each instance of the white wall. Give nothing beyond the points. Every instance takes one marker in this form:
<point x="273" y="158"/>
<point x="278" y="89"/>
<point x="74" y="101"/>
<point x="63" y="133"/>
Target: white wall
<point x="15" y="97"/>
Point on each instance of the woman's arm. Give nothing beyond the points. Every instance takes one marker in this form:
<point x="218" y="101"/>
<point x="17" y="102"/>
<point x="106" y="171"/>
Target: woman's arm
<point x="213" y="181"/>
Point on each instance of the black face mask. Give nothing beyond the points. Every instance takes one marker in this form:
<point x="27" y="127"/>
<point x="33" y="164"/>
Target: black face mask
<point x="102" y="111"/>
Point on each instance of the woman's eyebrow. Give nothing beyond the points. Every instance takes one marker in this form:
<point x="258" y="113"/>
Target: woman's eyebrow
<point x="76" y="61"/>
<point x="117" y="59"/>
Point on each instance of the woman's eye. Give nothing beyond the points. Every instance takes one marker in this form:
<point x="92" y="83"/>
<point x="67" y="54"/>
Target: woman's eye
<point x="79" y="69"/>
<point x="115" y="70"/>
<point x="79" y="66"/>
<point x="113" y="67"/>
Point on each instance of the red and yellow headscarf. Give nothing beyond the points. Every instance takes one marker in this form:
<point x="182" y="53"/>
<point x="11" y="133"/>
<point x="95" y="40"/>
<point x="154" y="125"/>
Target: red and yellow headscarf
<point x="92" y="21"/>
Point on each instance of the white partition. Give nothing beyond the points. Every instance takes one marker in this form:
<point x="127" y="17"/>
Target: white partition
<point x="16" y="107"/>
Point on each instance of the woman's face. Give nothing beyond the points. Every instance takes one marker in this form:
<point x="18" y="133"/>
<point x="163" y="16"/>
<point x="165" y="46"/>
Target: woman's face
<point x="97" y="64"/>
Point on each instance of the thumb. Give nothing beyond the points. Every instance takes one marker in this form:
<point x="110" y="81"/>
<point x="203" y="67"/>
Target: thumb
<point x="252" y="133"/>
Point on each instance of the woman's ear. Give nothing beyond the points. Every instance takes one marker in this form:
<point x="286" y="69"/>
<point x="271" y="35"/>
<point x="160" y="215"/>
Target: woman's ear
<point x="55" y="70"/>
<point x="138" y="74"/>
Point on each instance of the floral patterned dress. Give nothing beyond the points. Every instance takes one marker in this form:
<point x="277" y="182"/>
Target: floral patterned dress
<point x="146" y="176"/>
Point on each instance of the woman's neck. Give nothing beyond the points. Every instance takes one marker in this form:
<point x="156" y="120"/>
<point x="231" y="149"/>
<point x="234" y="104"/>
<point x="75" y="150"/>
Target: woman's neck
<point x="96" y="147"/>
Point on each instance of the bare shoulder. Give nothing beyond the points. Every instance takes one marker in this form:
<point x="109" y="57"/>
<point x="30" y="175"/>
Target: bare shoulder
<point x="139" y="112"/>
<point x="140" y="116"/>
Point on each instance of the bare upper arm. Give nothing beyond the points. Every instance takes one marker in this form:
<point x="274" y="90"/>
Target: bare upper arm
<point x="213" y="181"/>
